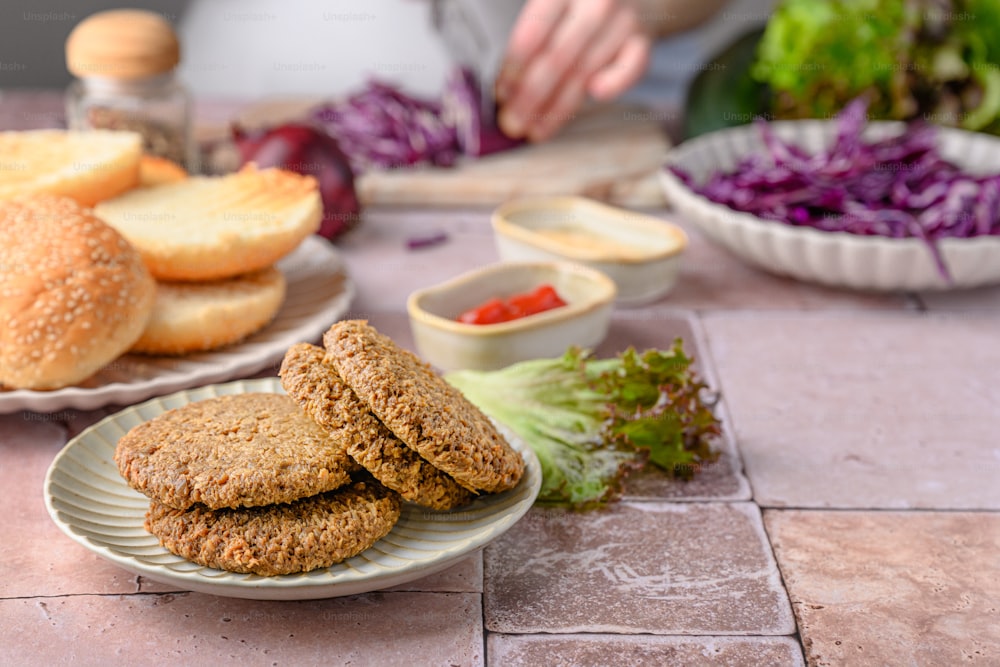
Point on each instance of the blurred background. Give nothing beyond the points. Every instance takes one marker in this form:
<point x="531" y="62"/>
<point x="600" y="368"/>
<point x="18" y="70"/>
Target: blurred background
<point x="260" y="48"/>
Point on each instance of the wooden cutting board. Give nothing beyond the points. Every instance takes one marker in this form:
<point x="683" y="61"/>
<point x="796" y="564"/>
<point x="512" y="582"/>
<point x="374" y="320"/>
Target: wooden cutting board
<point x="609" y="152"/>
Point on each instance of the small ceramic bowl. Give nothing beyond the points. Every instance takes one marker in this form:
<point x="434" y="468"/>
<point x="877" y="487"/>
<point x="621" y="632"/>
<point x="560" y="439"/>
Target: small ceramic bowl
<point x="452" y="345"/>
<point x="640" y="253"/>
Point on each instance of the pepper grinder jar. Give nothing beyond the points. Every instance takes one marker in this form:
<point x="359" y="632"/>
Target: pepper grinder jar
<point x="125" y="61"/>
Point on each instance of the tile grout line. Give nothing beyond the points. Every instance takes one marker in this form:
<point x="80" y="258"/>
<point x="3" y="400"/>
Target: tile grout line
<point x="913" y="311"/>
<point x="482" y="620"/>
<point x="885" y="510"/>
<point x="701" y="331"/>
<point x="99" y="595"/>
<point x="712" y="374"/>
<point x="794" y="635"/>
<point x="781" y="575"/>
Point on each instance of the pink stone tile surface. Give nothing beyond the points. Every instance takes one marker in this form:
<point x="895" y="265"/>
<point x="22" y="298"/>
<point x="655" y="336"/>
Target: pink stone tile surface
<point x="633" y="651"/>
<point x="717" y="480"/>
<point x="892" y="588"/>
<point x="377" y="251"/>
<point x="36" y="558"/>
<point x="714" y="279"/>
<point x="659" y="568"/>
<point x="465" y="576"/>
<point x="880" y="410"/>
<point x="189" y="628"/>
<point x="32" y="110"/>
<point x="77" y="421"/>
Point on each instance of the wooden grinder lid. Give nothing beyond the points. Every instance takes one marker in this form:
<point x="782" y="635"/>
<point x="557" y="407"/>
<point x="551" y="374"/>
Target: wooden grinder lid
<point x="122" y="44"/>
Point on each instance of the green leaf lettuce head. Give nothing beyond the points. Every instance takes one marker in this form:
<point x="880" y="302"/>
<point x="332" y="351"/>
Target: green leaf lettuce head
<point x="591" y="421"/>
<point x="938" y="60"/>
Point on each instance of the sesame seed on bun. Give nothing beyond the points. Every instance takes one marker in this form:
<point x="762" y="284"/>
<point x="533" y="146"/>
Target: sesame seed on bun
<point x="74" y="294"/>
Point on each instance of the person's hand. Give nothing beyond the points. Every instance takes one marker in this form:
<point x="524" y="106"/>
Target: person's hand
<point x="561" y="51"/>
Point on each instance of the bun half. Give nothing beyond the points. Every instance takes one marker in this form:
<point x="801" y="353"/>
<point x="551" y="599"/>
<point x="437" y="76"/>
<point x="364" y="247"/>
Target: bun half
<point x="74" y="295"/>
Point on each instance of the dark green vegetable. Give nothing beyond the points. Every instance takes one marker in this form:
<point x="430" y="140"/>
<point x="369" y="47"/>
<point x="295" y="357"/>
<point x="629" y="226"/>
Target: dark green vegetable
<point x="590" y="421"/>
<point x="724" y="94"/>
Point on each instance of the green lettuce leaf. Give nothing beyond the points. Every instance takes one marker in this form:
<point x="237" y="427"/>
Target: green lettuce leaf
<point x="936" y="60"/>
<point x="591" y="421"/>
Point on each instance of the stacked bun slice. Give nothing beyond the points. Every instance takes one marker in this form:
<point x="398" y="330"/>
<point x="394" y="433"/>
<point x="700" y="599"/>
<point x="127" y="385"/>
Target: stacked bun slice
<point x="192" y="257"/>
<point x="212" y="243"/>
<point x="191" y="317"/>
<point x="87" y="166"/>
<point x="211" y="228"/>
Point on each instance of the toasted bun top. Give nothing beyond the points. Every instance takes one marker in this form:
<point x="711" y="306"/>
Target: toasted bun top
<point x="87" y="165"/>
<point x="214" y="227"/>
<point x="74" y="294"/>
<point x="155" y="170"/>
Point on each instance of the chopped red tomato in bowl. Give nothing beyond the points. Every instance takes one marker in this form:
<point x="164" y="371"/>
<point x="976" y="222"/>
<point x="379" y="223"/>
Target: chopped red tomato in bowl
<point x="496" y="310"/>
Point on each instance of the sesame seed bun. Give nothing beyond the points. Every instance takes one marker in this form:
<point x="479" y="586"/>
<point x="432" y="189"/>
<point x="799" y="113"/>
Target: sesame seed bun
<point x="74" y="295"/>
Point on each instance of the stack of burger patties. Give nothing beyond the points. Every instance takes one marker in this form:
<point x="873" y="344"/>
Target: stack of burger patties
<point x="275" y="484"/>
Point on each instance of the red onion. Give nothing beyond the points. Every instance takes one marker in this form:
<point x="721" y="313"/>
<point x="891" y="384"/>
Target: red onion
<point x="307" y="150"/>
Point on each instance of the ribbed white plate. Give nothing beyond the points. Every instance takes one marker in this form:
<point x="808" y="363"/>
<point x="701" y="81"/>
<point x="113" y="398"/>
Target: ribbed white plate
<point x="832" y="258"/>
<point x="90" y="502"/>
<point x="319" y="292"/>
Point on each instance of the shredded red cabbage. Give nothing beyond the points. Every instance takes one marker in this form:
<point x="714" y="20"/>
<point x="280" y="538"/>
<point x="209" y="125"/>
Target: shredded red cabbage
<point x="475" y="124"/>
<point x="899" y="187"/>
<point x="421" y="242"/>
<point x="381" y="127"/>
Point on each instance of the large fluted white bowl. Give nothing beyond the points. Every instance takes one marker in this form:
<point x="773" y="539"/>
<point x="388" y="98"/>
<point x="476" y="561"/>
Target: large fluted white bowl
<point x="832" y="258"/>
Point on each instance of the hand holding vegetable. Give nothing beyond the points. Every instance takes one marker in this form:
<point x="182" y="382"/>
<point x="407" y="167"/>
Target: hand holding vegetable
<point x="382" y="127"/>
<point x="560" y="52"/>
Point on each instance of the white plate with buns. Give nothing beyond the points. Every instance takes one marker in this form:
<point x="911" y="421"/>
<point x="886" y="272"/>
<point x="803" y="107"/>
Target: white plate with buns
<point x="318" y="293"/>
<point x="90" y="501"/>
